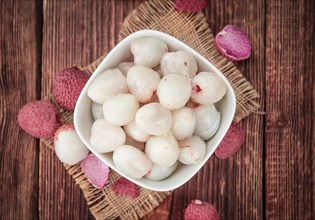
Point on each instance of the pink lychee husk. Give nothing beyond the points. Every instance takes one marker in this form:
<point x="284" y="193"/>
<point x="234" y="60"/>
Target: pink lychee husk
<point x="190" y="5"/>
<point x="124" y="187"/>
<point x="95" y="171"/>
<point x="232" y="141"/>
<point x="68" y="85"/>
<point x="233" y="43"/>
<point x="199" y="210"/>
<point x="40" y="119"/>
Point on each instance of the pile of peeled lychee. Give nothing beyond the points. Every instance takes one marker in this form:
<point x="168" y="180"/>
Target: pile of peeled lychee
<point x="154" y="111"/>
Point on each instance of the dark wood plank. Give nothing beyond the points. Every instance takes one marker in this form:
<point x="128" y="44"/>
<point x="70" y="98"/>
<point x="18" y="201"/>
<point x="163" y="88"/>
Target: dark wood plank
<point x="68" y="38"/>
<point x="235" y="185"/>
<point x="74" y="32"/>
<point x="290" y="96"/>
<point x="20" y="25"/>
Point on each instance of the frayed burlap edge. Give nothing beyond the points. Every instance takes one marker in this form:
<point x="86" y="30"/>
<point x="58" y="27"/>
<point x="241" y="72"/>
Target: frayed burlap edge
<point x="193" y="30"/>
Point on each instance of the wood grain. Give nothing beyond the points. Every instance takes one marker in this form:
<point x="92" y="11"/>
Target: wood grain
<point x="20" y="74"/>
<point x="290" y="109"/>
<point x="272" y="177"/>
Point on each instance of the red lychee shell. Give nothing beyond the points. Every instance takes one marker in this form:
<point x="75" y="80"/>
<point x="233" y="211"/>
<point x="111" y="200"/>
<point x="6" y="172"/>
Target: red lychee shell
<point x="124" y="187"/>
<point x="198" y="210"/>
<point x="233" y="43"/>
<point x="190" y="5"/>
<point x="95" y="171"/>
<point x="68" y="85"/>
<point x="39" y="119"/>
<point x="232" y="142"/>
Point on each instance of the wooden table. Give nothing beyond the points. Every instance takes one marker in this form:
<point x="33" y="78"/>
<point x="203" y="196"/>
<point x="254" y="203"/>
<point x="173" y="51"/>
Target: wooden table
<point x="272" y="177"/>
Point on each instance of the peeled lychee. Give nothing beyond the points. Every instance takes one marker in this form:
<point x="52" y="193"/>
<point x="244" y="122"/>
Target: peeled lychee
<point x="120" y="109"/>
<point x="68" y="146"/>
<point x="68" y="85"/>
<point x="174" y="91"/>
<point x="207" y="121"/>
<point x="190" y="5"/>
<point x="135" y="132"/>
<point x="106" y="137"/>
<point x="95" y="170"/>
<point x="183" y="123"/>
<point x="208" y="88"/>
<point x="154" y="119"/>
<point x="159" y="173"/>
<point x="125" y="66"/>
<point x="142" y="82"/>
<point x="131" y="161"/>
<point x="233" y="43"/>
<point x="162" y="150"/>
<point x="39" y="119"/>
<point x="97" y="111"/>
<point x="179" y="62"/>
<point x="148" y="51"/>
<point x="192" y="150"/>
<point x="198" y="210"/>
<point x="108" y="83"/>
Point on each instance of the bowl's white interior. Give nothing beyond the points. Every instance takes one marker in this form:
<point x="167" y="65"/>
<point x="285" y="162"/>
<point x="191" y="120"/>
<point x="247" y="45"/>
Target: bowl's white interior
<point x="83" y="119"/>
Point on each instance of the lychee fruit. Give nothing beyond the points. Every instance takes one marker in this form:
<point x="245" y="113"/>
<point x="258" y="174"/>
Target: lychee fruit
<point x="192" y="150"/>
<point x="159" y="172"/>
<point x="40" y="119"/>
<point x="68" y="146"/>
<point x="208" y="88"/>
<point x="174" y="91"/>
<point x="95" y="170"/>
<point x="207" y="121"/>
<point x="199" y="210"/>
<point x="68" y="85"/>
<point x="179" y="62"/>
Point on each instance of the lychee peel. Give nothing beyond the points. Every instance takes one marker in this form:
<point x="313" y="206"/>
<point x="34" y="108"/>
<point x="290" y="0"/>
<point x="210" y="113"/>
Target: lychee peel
<point x="95" y="171"/>
<point x="233" y="43"/>
<point x="232" y="141"/>
<point x="124" y="187"/>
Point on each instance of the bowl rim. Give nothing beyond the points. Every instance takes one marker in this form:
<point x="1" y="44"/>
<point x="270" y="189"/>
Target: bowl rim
<point x="154" y="33"/>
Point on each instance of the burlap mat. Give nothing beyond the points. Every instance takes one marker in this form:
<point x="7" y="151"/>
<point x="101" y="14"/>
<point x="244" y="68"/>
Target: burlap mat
<point x="193" y="30"/>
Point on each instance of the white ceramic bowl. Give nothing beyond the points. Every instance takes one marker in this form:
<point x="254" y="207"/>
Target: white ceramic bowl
<point x="83" y="118"/>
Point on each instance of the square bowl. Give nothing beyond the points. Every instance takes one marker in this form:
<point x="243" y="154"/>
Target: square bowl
<point x="83" y="118"/>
